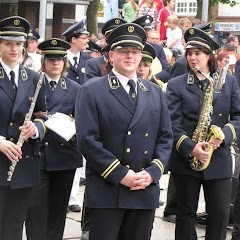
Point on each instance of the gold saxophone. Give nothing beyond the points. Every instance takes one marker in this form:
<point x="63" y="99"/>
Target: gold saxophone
<point x="201" y="133"/>
<point x="28" y="117"/>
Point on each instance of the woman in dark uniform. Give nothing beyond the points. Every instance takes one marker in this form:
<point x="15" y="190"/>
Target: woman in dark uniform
<point x="47" y="215"/>
<point x="186" y="96"/>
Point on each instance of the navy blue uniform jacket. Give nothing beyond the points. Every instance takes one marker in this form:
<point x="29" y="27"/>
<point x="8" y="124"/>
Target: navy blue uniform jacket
<point x="114" y="137"/>
<point x="58" y="153"/>
<point x="77" y="74"/>
<point x="184" y="105"/>
<point x="13" y="113"/>
<point x="94" y="67"/>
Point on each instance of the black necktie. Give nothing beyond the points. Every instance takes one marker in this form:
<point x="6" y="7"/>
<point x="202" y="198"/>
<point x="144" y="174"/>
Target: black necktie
<point x="12" y="74"/>
<point x="75" y="62"/>
<point x="53" y="85"/>
<point x="203" y="84"/>
<point x="132" y="92"/>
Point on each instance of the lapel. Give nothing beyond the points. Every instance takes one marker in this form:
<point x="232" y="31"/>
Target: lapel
<point x="192" y="84"/>
<point x="23" y="86"/>
<point x="81" y="64"/>
<point x="56" y="96"/>
<point x="116" y="88"/>
<point x="6" y="85"/>
<point x="143" y="95"/>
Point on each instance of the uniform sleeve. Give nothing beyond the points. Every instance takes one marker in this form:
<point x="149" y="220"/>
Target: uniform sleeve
<point x="99" y="159"/>
<point x="91" y="70"/>
<point x="40" y="112"/>
<point x="232" y="128"/>
<point x="164" y="142"/>
<point x="178" y="69"/>
<point x="164" y="74"/>
<point x="182" y="143"/>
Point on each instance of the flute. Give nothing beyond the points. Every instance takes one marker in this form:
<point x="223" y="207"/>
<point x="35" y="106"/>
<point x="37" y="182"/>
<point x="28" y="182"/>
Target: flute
<point x="28" y="117"/>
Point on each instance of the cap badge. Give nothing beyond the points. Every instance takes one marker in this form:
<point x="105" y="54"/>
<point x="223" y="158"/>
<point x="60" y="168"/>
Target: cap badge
<point x="16" y="22"/>
<point x="117" y="21"/>
<point x="30" y="34"/>
<point x="54" y="42"/>
<point x="147" y="21"/>
<point x="131" y="29"/>
<point x="191" y="31"/>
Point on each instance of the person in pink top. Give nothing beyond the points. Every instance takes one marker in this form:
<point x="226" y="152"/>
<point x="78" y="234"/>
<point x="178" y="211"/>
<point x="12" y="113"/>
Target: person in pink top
<point x="162" y="18"/>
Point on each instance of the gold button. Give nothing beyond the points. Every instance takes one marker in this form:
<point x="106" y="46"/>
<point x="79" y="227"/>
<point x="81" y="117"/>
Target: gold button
<point x="220" y="114"/>
<point x="127" y="166"/>
<point x="145" y="152"/>
<point x="62" y="144"/>
<point x="77" y="77"/>
<point x="128" y="150"/>
<point x="46" y="143"/>
<point x="27" y="156"/>
<point x="129" y="133"/>
<point x="11" y="139"/>
<point x="146" y="135"/>
<point x="39" y="153"/>
<point x="11" y="124"/>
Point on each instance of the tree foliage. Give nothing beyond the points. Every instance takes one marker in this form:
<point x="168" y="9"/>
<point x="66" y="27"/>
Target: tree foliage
<point x="91" y="14"/>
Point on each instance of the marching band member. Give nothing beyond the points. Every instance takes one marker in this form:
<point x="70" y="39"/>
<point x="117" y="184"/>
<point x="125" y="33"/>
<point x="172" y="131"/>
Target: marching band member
<point x="189" y="98"/>
<point x="17" y="88"/>
<point x="47" y="214"/>
<point x="125" y="135"/>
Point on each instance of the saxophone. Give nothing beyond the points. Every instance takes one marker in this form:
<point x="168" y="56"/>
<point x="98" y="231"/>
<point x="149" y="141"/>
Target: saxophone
<point x="201" y="133"/>
<point x="27" y="118"/>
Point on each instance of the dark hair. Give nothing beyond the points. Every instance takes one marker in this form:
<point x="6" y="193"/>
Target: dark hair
<point x="212" y="63"/>
<point x="165" y="2"/>
<point x="69" y="38"/>
<point x="107" y="67"/>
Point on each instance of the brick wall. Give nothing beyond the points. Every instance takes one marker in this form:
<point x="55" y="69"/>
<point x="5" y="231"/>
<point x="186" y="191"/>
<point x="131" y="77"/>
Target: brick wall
<point x="30" y="11"/>
<point x="61" y="11"/>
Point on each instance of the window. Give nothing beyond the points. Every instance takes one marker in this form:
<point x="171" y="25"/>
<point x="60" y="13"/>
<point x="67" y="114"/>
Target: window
<point x="186" y="7"/>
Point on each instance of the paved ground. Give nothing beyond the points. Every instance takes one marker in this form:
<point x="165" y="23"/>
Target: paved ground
<point x="161" y="231"/>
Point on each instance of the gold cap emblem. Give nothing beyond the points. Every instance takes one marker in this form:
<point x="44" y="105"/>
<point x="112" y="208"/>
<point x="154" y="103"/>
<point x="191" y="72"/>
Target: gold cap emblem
<point x="54" y="42"/>
<point x="16" y="22"/>
<point x="117" y="21"/>
<point x="131" y="29"/>
<point x="191" y="31"/>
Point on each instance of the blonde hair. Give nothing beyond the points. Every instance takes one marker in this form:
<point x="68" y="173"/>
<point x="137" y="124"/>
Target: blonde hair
<point x="134" y="5"/>
<point x="172" y="19"/>
<point x="149" y="64"/>
<point x="184" y="21"/>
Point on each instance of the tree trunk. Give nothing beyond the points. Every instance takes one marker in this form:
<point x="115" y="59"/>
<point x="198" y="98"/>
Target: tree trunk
<point x="92" y="16"/>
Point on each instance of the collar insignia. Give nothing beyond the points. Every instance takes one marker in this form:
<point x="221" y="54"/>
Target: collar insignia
<point x="63" y="83"/>
<point x="1" y="72"/>
<point x="24" y="75"/>
<point x="141" y="85"/>
<point x="190" y="79"/>
<point x="113" y="82"/>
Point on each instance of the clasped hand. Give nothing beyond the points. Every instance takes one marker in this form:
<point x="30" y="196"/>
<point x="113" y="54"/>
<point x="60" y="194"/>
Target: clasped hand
<point x="137" y="180"/>
<point x="10" y="149"/>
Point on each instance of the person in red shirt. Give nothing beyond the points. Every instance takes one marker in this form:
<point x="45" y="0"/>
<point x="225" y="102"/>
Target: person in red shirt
<point x="162" y="18"/>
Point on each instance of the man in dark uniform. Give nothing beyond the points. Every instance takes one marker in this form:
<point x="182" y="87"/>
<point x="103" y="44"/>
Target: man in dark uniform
<point x="126" y="138"/>
<point x="17" y="88"/>
<point x="78" y="37"/>
<point x="95" y="67"/>
<point x="46" y="217"/>
<point x="145" y="22"/>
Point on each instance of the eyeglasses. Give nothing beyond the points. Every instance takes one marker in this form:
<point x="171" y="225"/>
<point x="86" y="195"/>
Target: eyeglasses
<point x="126" y="52"/>
<point x="84" y="38"/>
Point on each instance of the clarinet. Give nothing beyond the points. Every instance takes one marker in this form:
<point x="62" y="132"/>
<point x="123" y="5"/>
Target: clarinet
<point x="28" y="117"/>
